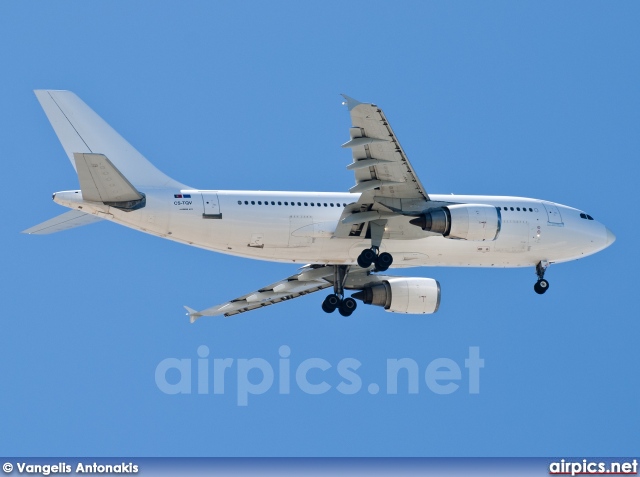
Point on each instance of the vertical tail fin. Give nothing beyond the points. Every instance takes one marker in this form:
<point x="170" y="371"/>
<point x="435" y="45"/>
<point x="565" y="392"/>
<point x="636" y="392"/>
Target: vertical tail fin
<point x="81" y="130"/>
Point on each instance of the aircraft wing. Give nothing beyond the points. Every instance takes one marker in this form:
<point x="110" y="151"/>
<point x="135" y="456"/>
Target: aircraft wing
<point x="308" y="280"/>
<point x="388" y="184"/>
<point x="381" y="167"/>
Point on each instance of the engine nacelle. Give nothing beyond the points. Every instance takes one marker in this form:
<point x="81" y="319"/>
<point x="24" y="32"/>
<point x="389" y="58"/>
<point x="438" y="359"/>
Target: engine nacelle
<point x="403" y="295"/>
<point x="473" y="222"/>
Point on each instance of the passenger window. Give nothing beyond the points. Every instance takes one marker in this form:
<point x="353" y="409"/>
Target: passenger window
<point x="239" y="202"/>
<point x="512" y="209"/>
<point x="279" y="203"/>
<point x="325" y="204"/>
<point x="253" y="202"/>
<point x="259" y="202"/>
<point x="311" y="204"/>
<point x="246" y="202"/>
<point x="286" y="203"/>
<point x="518" y="209"/>
<point x="530" y="209"/>
<point x="299" y="203"/>
<point x="331" y="204"/>
<point x="306" y="204"/>
<point x="504" y="208"/>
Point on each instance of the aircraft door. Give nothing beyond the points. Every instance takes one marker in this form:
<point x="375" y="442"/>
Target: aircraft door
<point x="553" y="214"/>
<point x="211" y="206"/>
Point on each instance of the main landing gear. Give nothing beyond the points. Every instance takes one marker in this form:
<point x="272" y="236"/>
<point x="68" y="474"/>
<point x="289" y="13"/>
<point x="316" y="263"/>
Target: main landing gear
<point x="337" y="301"/>
<point x="344" y="306"/>
<point x="541" y="285"/>
<point x="372" y="255"/>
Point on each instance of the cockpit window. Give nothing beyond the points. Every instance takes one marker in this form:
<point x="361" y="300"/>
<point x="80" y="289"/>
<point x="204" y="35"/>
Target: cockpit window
<point x="585" y="216"/>
<point x="589" y="217"/>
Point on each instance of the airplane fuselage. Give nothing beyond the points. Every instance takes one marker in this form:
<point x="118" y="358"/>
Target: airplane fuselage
<point x="298" y="227"/>
<point x="340" y="240"/>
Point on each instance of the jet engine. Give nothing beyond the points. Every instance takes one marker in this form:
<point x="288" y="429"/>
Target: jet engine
<point x="473" y="222"/>
<point x="403" y="295"/>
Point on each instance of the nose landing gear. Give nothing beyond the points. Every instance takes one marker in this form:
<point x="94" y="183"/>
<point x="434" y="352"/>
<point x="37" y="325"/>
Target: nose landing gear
<point x="541" y="285"/>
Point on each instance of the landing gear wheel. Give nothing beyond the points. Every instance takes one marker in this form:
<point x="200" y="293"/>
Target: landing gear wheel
<point x="384" y="261"/>
<point x="541" y="286"/>
<point x="330" y="303"/>
<point x="366" y="258"/>
<point x="347" y="306"/>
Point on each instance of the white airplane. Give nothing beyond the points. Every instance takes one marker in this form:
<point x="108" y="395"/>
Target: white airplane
<point x="346" y="239"/>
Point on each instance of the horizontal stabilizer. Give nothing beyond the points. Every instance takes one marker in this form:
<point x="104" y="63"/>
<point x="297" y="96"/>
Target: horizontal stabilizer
<point x="193" y="314"/>
<point x="101" y="181"/>
<point x="66" y="221"/>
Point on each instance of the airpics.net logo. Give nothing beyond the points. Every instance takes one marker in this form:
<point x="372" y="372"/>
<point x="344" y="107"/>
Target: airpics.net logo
<point x="206" y="374"/>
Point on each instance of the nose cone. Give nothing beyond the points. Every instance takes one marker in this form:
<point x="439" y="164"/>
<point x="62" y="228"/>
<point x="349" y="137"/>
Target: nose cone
<point x="610" y="237"/>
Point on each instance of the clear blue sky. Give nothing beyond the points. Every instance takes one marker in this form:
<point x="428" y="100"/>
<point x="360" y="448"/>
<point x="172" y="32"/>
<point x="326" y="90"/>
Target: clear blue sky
<point x="536" y="99"/>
